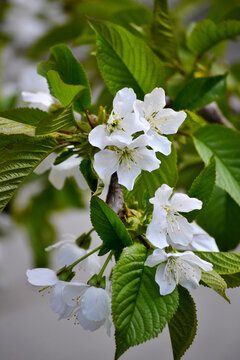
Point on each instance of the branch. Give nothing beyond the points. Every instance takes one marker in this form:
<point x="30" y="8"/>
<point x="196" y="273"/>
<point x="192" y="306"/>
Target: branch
<point x="115" y="196"/>
<point x="213" y="114"/>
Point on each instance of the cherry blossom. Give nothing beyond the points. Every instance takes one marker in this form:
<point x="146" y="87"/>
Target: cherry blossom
<point x="122" y="122"/>
<point x="127" y="159"/>
<point x="59" y="173"/>
<point x="166" y="222"/>
<point x="157" y="120"/>
<point x="177" y="268"/>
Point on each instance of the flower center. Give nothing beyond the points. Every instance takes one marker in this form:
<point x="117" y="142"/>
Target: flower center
<point x="127" y="157"/>
<point x="115" y="123"/>
<point x="154" y="121"/>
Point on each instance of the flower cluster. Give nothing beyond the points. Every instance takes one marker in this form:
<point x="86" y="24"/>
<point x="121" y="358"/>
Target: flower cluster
<point x="170" y="227"/>
<point x="120" y="148"/>
<point x="89" y="305"/>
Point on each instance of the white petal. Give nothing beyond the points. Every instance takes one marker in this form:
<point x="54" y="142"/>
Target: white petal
<point x="182" y="202"/>
<point x="166" y="282"/>
<point x="168" y="121"/>
<point x="42" y="277"/>
<point x="120" y="139"/>
<point x="69" y="165"/>
<point x="179" y="230"/>
<point x="156" y="234"/>
<point x="93" y="265"/>
<point x="69" y="253"/>
<point x="99" y="137"/>
<point x="159" y="143"/>
<point x="202" y="241"/>
<point x="162" y="195"/>
<point x="57" y="303"/>
<point x="189" y="275"/>
<point x="38" y="98"/>
<point x="131" y="124"/>
<point x="158" y="256"/>
<point x="95" y="304"/>
<point x="46" y="164"/>
<point x="127" y="174"/>
<point x="88" y="324"/>
<point x="73" y="292"/>
<point x="193" y="259"/>
<point x="57" y="178"/>
<point x="108" y="325"/>
<point x="146" y="159"/>
<point x="76" y="173"/>
<point x="140" y="141"/>
<point x="67" y="238"/>
<point x="139" y="112"/>
<point x="123" y="101"/>
<point x="67" y="168"/>
<point x="154" y="101"/>
<point x="105" y="163"/>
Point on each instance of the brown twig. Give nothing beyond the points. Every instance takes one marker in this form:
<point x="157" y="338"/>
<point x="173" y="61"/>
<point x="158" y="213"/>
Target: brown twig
<point x="211" y="113"/>
<point x="88" y="118"/>
<point x="115" y="196"/>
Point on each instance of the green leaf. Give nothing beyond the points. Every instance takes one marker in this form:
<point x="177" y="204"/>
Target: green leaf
<point x="11" y="127"/>
<point x="28" y="116"/>
<point x="139" y="312"/>
<point x="108" y="226"/>
<point x="60" y="119"/>
<point x="183" y="325"/>
<point x="213" y="280"/>
<point x="135" y="15"/>
<point x="223" y="262"/>
<point x="202" y="188"/>
<point x="70" y="72"/>
<point x="232" y="280"/>
<point x="148" y="182"/>
<point x="65" y="93"/>
<point x="221" y="219"/>
<point x="105" y="9"/>
<point x="199" y="92"/>
<point x="224" y="143"/>
<point x="162" y="31"/>
<point x="59" y="34"/>
<point x="207" y="34"/>
<point x="18" y="158"/>
<point x="87" y="171"/>
<point x="124" y="65"/>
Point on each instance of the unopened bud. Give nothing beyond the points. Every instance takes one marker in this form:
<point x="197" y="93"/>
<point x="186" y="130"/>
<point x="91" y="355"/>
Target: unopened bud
<point x="84" y="241"/>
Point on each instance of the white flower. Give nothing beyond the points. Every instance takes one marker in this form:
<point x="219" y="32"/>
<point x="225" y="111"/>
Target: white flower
<point x="167" y="221"/>
<point x="201" y="241"/>
<point x="91" y="305"/>
<point x="127" y="159"/>
<point x="177" y="268"/>
<point x="69" y="252"/>
<point x="121" y="124"/>
<point x="157" y="120"/>
<point x="68" y="168"/>
<point x="39" y="98"/>
<point x="59" y="173"/>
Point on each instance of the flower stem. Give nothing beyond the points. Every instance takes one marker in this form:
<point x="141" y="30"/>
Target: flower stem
<point x="90" y="231"/>
<point x="105" y="265"/>
<point x="84" y="257"/>
<point x="88" y="118"/>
